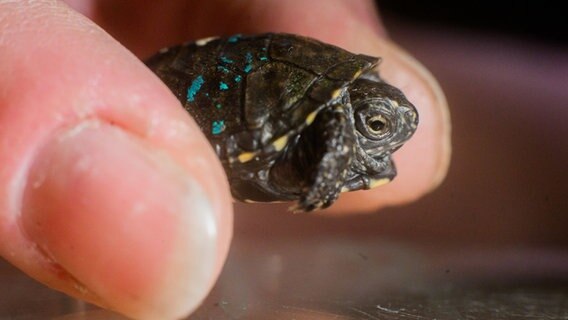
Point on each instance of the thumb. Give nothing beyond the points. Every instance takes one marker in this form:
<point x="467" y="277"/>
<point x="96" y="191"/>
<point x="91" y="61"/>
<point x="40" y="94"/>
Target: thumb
<point x="108" y="190"/>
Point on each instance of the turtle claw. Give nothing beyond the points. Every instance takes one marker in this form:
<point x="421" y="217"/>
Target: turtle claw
<point x="314" y="202"/>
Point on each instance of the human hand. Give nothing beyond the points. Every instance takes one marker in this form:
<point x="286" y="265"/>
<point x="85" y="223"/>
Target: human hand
<point x="109" y="191"/>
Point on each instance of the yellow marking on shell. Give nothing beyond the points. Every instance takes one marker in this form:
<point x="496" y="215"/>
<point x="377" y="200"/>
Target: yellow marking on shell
<point x="378" y="182"/>
<point x="204" y="41"/>
<point x="336" y="93"/>
<point x="311" y="117"/>
<point x="253" y="201"/>
<point x="280" y="143"/>
<point x="344" y="189"/>
<point x="246" y="156"/>
<point x="357" y="74"/>
<point x="394" y="103"/>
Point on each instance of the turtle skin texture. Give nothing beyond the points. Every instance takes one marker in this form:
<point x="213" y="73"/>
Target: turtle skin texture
<point x="290" y="118"/>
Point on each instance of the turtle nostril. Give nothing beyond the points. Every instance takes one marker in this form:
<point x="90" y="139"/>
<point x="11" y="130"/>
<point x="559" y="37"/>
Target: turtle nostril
<point x="410" y="116"/>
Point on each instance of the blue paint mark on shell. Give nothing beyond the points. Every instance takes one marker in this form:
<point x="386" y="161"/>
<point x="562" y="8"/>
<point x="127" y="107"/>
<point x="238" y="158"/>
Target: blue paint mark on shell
<point x="194" y="88"/>
<point x="226" y="60"/>
<point x="218" y="127"/>
<point x="238" y="78"/>
<point x="264" y="56"/>
<point x="234" y="38"/>
<point x="223" y="69"/>
<point x="248" y="66"/>
<point x="223" y="86"/>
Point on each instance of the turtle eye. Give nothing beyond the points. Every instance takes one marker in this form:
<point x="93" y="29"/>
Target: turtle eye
<point x="374" y="120"/>
<point x="378" y="126"/>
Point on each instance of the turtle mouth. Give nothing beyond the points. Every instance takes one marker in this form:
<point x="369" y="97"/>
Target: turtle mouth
<point x="378" y="172"/>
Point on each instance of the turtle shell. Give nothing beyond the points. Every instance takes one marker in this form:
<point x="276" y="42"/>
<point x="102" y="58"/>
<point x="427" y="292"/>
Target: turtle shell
<point x="250" y="94"/>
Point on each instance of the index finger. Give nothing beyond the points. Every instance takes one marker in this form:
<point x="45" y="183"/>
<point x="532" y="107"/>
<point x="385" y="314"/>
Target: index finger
<point x="423" y="161"/>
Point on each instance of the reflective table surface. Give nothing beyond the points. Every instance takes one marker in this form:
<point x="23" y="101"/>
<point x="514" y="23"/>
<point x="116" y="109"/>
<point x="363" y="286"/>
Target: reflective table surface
<point x="331" y="278"/>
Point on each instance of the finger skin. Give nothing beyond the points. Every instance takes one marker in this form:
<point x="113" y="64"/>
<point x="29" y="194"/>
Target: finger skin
<point x="68" y="90"/>
<point x="422" y="163"/>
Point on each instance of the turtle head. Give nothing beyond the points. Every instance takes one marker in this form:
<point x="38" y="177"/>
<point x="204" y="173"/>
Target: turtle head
<point x="384" y="120"/>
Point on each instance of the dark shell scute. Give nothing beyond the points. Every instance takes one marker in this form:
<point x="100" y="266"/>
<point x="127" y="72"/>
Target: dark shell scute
<point x="272" y="90"/>
<point x="245" y="54"/>
<point x="351" y="69"/>
<point x="306" y="53"/>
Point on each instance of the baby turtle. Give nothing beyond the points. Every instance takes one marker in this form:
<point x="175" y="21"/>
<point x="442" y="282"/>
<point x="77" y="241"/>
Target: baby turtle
<point x="291" y="118"/>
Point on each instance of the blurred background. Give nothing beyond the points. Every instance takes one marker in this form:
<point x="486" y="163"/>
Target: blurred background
<point x="490" y="243"/>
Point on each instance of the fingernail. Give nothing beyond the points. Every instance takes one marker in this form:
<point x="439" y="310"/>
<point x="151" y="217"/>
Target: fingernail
<point x="123" y="220"/>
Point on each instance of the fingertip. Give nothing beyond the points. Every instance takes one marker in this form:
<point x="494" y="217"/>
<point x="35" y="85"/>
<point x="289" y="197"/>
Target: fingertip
<point x="423" y="161"/>
<point x="123" y="221"/>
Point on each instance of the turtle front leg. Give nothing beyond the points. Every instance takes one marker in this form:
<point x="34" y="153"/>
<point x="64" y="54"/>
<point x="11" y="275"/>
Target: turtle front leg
<point x="331" y="139"/>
